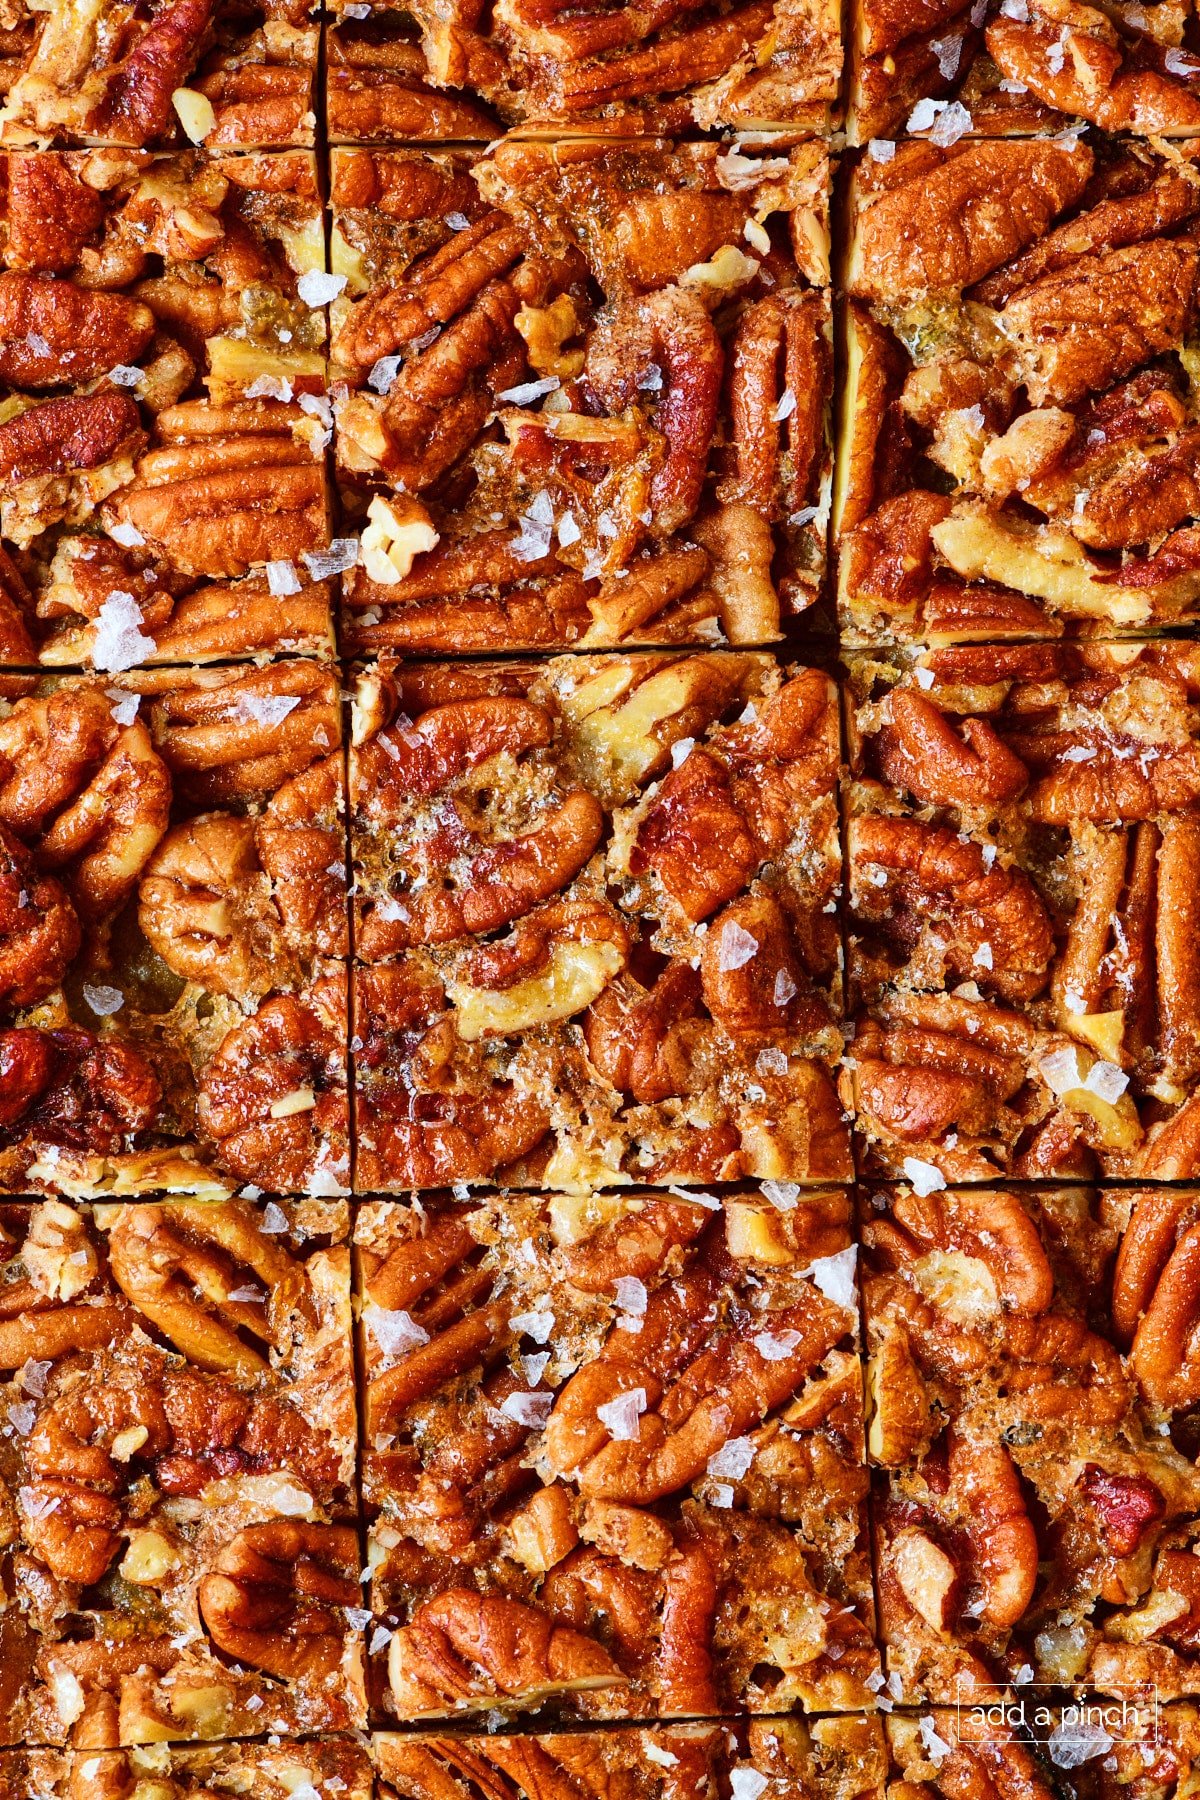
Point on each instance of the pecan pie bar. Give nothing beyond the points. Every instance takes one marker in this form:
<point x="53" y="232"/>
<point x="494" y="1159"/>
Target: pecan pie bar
<point x="942" y="1754"/>
<point x="612" y="1447"/>
<point x="464" y="71"/>
<point x="163" y="414"/>
<point x="178" y="1454"/>
<point x="1023" y="837"/>
<point x="323" y="1769"/>
<point x="1153" y="1754"/>
<point x="172" y="912"/>
<point x="227" y="73"/>
<point x="1020" y="442"/>
<point x="596" y="922"/>
<point x="1033" y="1433"/>
<point x="581" y="392"/>
<point x="779" y="1759"/>
<point x="1002" y="67"/>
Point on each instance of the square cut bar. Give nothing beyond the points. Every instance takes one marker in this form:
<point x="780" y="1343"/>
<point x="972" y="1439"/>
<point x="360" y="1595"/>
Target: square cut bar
<point x="330" y="1768"/>
<point x="1018" y="67"/>
<point x="179" y="1556"/>
<point x="1019" y="448"/>
<point x="596" y="922"/>
<point x="425" y="72"/>
<point x="233" y="74"/>
<point x="172" y="915"/>
<point x="582" y="391"/>
<point x="163" y="414"/>
<point x="1033" y="1435"/>
<point x="945" y="1751"/>
<point x="1024" y="881"/>
<point x="613" y="1454"/>
<point x="827" y="1759"/>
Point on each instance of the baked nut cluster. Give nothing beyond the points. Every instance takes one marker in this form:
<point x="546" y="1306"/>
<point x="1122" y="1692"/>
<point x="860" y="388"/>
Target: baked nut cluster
<point x="173" y="926"/>
<point x="1024" y="910"/>
<point x="613" y="1455"/>
<point x="599" y="900"/>
<point x="1019" y="421"/>
<point x="595" y="922"/>
<point x="581" y="392"/>
<point x="164" y="416"/>
<point x="465" y="71"/>
<point x="159" y="74"/>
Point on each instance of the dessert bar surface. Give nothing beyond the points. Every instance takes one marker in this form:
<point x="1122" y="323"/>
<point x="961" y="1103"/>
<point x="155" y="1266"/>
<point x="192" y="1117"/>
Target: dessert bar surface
<point x="163" y="418"/>
<point x="1018" y="453"/>
<point x="581" y="392"/>
<point x="178" y="1451"/>
<point x="228" y="73"/>
<point x="1033" y="1436"/>
<point x="596" y="922"/>
<point x="173" y="893"/>
<point x="613" y="1456"/>
<point x="466" y="71"/>
<point x="1022" y="67"/>
<point x="1022" y="840"/>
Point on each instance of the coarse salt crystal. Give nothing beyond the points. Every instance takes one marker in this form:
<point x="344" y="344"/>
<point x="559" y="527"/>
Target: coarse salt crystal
<point x="527" y="391"/>
<point x="775" y="1346"/>
<point x="534" y="1366"/>
<point x="925" y="1177"/>
<point x="22" y="1417"/>
<point x="834" y="1276"/>
<point x="733" y="1459"/>
<point x="568" y="530"/>
<point x="983" y="957"/>
<point x="786" y="406"/>
<point x="274" y="1219"/>
<point x="269" y="387"/>
<point x="622" y="1417"/>
<point x="631" y="1294"/>
<point x="746" y="1784"/>
<point x="924" y="678"/>
<point x="383" y="374"/>
<point x="341" y="555"/>
<point x="530" y="1410"/>
<point x="536" y="1325"/>
<point x="736" y="947"/>
<point x="263" y="709"/>
<point x="103" y="1000"/>
<point x="316" y="288"/>
<point x="396" y="1332"/>
<point x="1107" y="1082"/>
<point x="282" y="579"/>
<point x="783" y="1194"/>
<point x="125" y="375"/>
<point x="681" y="750"/>
<point x="128" y="536"/>
<point x="664" y="1758"/>
<point x="948" y="51"/>
<point x="881" y="150"/>
<point x="771" y="1062"/>
<point x="117" y="642"/>
<point x="1060" y="1070"/>
<point x="785" y="988"/>
<point x="31" y="1376"/>
<point x="1075" y="1741"/>
<point x="936" y="1746"/>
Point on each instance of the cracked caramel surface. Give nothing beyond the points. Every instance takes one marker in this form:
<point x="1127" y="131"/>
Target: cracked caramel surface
<point x="162" y="398"/>
<point x="595" y="922"/>
<point x="612" y="1456"/>
<point x="588" y="385"/>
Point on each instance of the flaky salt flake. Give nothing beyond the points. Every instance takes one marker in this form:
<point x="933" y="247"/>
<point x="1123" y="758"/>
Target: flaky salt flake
<point x="537" y="529"/>
<point x="357" y="9"/>
<point x="746" y="1784"/>
<point x="733" y="1459"/>
<point x="1079" y="753"/>
<point x="925" y="1177"/>
<point x="736" y="946"/>
<point x="786" y="406"/>
<point x="631" y="1294"/>
<point x="128" y="536"/>
<point x="274" y="1219"/>
<point x="534" y="1367"/>
<point x="381" y="1637"/>
<point x="458" y="221"/>
<point x="948" y="51"/>
<point x="785" y="988"/>
<point x="945" y="121"/>
<point x="396" y="1332"/>
<point x="536" y="1325"/>
<point x="282" y="579"/>
<point x="983" y="958"/>
<point x="358" y="1618"/>
<point x="318" y="406"/>
<point x="269" y="387"/>
<point x="622" y="1417"/>
<point x="341" y="555"/>
<point x="316" y="288"/>
<point x="681" y="750"/>
<point x="38" y="1506"/>
<point x="31" y="1376"/>
<point x="655" y="1753"/>
<point x="1107" y="1082"/>
<point x="263" y="709"/>
<point x="36" y="344"/>
<point x="1024" y="1675"/>
<point x="881" y="150"/>
<point x="1073" y="1742"/>
<point x="22" y="1417"/>
<point x="834" y="1276"/>
<point x="103" y="1000"/>
<point x="568" y="530"/>
<point x="936" y="1746"/>
<point x="526" y="392"/>
<point x="1059" y="1069"/>
<point x="530" y="1410"/>
<point x="248" y="1293"/>
<point x="383" y="374"/>
<point x="117" y="643"/>
<point x="776" y="1346"/>
<point x="783" y="1194"/>
<point x="722" y="1495"/>
<point x="771" y="1062"/>
<point x="923" y="115"/>
<point x="124" y="706"/>
<point x="924" y="678"/>
<point x="125" y="375"/>
<point x="650" y="380"/>
<point x="1178" y="62"/>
